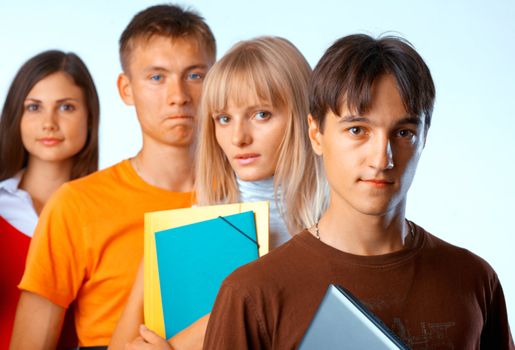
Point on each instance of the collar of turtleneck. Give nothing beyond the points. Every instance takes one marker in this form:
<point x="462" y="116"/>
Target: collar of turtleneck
<point x="260" y="190"/>
<point x="263" y="190"/>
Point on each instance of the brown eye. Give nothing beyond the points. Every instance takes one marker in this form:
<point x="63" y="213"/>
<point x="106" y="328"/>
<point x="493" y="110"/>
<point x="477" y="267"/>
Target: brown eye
<point x="66" y="107"/>
<point x="405" y="133"/>
<point x="32" y="107"/>
<point x="356" y="130"/>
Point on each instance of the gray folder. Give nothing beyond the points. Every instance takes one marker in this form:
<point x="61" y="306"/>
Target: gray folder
<point x="343" y="322"/>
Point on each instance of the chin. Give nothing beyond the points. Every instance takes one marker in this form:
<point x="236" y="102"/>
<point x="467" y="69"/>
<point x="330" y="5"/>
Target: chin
<point x="374" y="210"/>
<point x="245" y="176"/>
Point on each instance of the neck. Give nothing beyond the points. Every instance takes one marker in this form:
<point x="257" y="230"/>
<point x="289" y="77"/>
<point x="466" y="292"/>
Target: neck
<point x="361" y="234"/>
<point x="41" y="179"/>
<point x="169" y="168"/>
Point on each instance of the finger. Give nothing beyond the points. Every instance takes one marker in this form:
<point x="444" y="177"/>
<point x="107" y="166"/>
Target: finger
<point x="150" y="336"/>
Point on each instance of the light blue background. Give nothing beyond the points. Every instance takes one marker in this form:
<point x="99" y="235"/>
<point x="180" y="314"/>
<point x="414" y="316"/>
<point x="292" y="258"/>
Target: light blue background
<point x="465" y="186"/>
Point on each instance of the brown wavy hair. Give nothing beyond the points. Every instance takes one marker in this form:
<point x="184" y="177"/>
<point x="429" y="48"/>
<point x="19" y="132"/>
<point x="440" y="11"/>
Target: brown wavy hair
<point x="13" y="155"/>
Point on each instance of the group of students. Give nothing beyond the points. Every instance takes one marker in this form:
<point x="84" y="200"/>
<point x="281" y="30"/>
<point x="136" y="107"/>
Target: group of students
<point x="333" y="150"/>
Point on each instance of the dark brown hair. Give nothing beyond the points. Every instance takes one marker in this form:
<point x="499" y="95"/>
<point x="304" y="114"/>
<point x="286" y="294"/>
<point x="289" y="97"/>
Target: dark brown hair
<point x="167" y="20"/>
<point x="347" y="70"/>
<point x="13" y="156"/>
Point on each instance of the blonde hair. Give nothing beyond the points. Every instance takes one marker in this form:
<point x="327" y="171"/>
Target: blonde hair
<point x="275" y="71"/>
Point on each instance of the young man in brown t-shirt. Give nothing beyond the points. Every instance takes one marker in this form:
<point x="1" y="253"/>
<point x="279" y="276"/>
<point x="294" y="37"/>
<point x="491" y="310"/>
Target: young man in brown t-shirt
<point x="371" y="102"/>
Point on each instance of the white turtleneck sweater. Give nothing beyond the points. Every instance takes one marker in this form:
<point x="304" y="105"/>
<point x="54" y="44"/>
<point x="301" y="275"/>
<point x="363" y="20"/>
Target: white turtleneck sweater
<point x="263" y="190"/>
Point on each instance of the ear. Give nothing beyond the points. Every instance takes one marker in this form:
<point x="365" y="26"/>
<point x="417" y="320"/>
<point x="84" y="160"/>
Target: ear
<point x="315" y="136"/>
<point x="125" y="89"/>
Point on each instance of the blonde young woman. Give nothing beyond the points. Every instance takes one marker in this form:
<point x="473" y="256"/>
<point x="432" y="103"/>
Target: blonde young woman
<point x="252" y="146"/>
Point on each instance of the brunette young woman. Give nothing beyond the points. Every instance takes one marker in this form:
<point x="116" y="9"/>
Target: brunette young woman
<point x="48" y="135"/>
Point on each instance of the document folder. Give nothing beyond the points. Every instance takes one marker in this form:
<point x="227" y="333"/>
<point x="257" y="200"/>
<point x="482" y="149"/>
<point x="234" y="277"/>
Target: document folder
<point x="193" y="260"/>
<point x="163" y="220"/>
<point x="343" y="322"/>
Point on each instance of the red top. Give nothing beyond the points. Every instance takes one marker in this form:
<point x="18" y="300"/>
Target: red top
<point x="13" y="251"/>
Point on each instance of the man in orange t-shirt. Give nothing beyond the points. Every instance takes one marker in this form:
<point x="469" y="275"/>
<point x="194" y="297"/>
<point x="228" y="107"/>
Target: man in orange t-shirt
<point x="89" y="240"/>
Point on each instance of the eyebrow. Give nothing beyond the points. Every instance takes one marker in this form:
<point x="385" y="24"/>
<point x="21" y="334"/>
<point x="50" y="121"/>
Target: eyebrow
<point x="357" y="119"/>
<point x="352" y="119"/>
<point x="59" y="101"/>
<point x="249" y="108"/>
<point x="163" y="69"/>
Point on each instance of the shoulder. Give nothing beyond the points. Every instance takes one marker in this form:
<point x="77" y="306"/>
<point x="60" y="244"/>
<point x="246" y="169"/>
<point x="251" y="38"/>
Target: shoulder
<point x="454" y="258"/>
<point x="108" y="176"/>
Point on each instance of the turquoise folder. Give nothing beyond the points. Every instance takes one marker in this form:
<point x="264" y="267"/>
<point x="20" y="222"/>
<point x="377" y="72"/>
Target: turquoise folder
<point x="193" y="260"/>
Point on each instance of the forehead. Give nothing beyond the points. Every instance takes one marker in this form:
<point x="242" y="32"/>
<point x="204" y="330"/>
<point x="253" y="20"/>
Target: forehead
<point x="385" y="104"/>
<point x="158" y="50"/>
<point x="55" y="86"/>
<point x="237" y="91"/>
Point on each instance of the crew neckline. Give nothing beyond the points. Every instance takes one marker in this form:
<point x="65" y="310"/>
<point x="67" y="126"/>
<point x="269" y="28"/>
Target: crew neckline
<point x="382" y="261"/>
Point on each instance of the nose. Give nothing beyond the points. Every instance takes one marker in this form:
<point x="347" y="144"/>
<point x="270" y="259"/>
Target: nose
<point x="381" y="157"/>
<point x="240" y="135"/>
<point x="178" y="93"/>
<point x="50" y="121"/>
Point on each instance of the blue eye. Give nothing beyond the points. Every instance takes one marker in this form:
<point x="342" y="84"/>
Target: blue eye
<point x="223" y="119"/>
<point x="263" y="115"/>
<point x="195" y="76"/>
<point x="156" y="77"/>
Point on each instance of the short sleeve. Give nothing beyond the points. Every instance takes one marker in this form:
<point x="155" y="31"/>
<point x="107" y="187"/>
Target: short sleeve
<point x="56" y="263"/>
<point x="496" y="331"/>
<point x="234" y="323"/>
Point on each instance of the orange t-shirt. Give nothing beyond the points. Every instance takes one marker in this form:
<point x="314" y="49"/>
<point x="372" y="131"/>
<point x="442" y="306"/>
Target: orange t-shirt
<point x="88" y="245"/>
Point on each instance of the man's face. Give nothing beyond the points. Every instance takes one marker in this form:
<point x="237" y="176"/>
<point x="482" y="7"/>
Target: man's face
<point x="370" y="160"/>
<point x="164" y="83"/>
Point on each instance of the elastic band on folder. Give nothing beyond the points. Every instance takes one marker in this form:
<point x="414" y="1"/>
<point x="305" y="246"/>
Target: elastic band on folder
<point x="240" y="231"/>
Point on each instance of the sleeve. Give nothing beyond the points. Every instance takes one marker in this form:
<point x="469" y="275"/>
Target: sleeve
<point x="496" y="332"/>
<point x="56" y="262"/>
<point x="234" y="323"/>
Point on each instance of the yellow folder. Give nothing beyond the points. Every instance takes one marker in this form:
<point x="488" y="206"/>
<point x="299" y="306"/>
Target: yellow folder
<point x="163" y="220"/>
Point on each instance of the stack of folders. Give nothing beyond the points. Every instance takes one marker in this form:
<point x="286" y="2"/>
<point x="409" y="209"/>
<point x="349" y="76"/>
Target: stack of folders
<point x="189" y="252"/>
<point x="343" y="322"/>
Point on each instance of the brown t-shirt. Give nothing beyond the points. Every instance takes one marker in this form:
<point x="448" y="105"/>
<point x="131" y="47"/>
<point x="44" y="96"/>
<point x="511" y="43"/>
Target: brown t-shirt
<point x="433" y="295"/>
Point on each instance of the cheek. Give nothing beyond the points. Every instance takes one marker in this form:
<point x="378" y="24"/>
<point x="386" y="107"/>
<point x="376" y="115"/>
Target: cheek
<point x="222" y="136"/>
<point x="26" y="130"/>
<point x="195" y="93"/>
<point x="77" y="129"/>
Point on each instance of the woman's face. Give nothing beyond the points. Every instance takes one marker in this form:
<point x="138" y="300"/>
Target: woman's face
<point x="54" y="120"/>
<point x="250" y="136"/>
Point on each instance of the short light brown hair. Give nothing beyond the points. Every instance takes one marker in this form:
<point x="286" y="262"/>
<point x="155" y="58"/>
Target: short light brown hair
<point x="169" y="21"/>
<point x="347" y="70"/>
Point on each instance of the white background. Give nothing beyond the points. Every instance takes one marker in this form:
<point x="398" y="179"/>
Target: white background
<point x="465" y="186"/>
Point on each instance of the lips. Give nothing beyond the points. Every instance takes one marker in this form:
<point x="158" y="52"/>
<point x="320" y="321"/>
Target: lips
<point x="174" y="117"/>
<point x="246" y="158"/>
<point x="50" y="141"/>
<point x="379" y="183"/>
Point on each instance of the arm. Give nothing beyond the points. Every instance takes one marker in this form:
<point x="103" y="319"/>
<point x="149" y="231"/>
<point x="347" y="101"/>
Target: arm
<point x="191" y="338"/>
<point x="235" y="322"/>
<point x="496" y="331"/>
<point x="127" y="327"/>
<point x="37" y="324"/>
